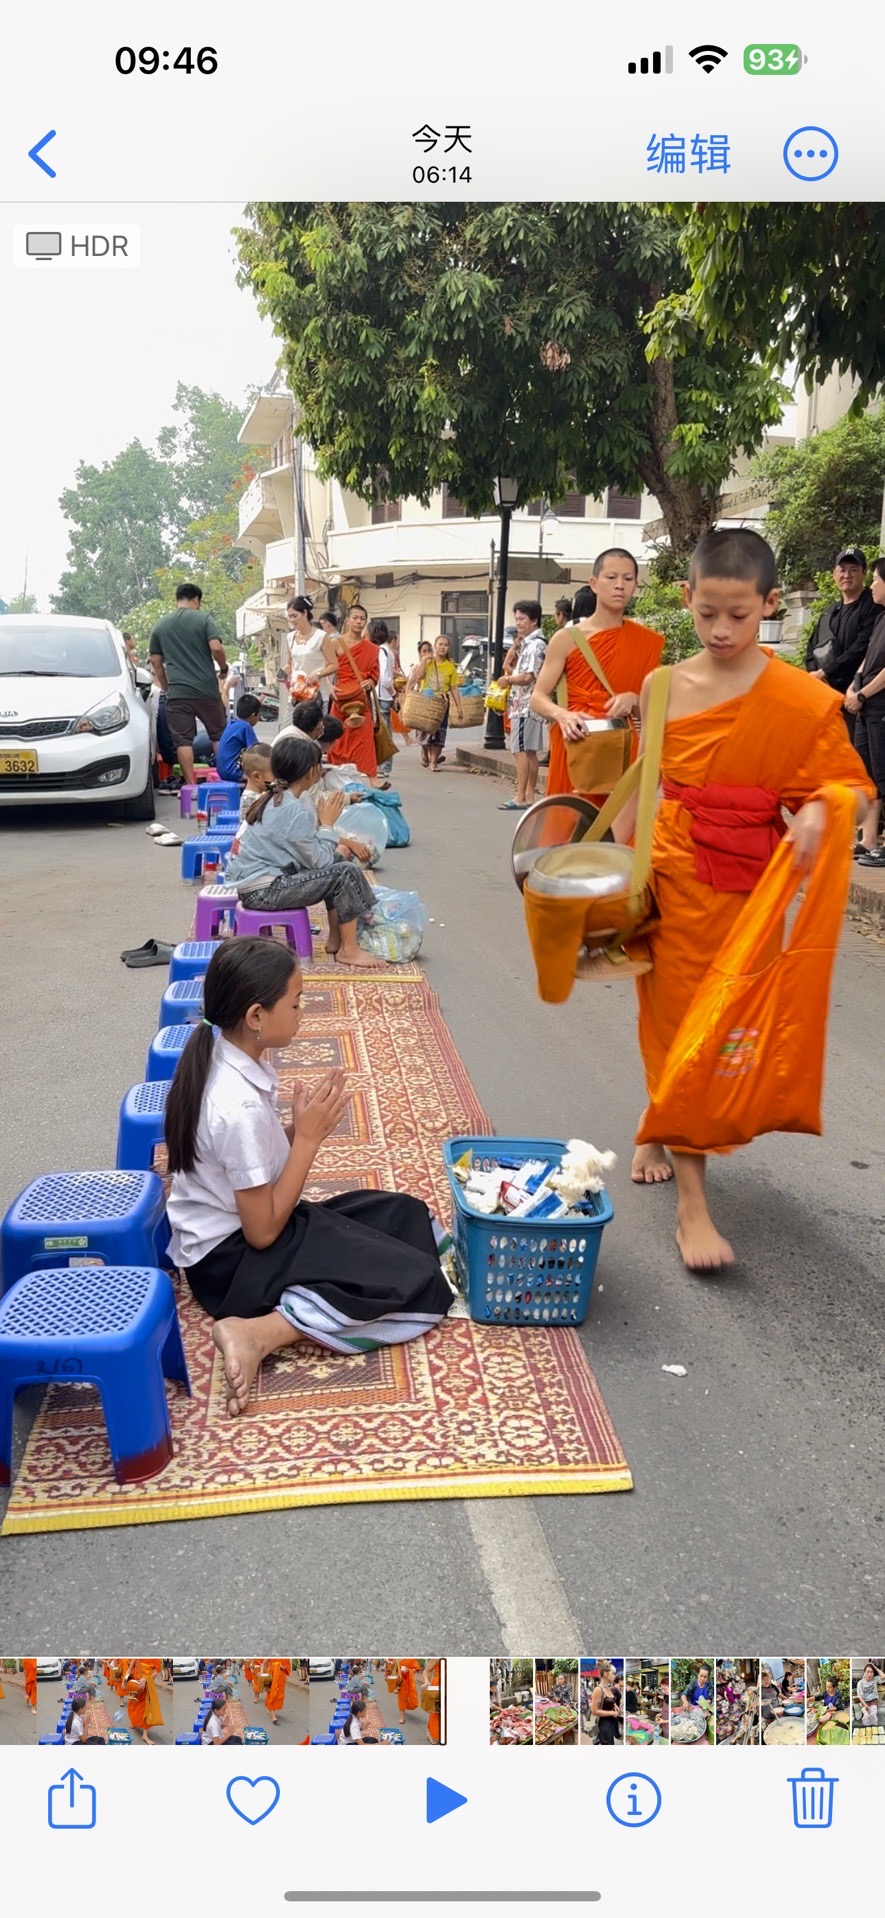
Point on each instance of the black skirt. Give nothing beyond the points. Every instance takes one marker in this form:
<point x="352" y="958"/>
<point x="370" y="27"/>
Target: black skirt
<point x="366" y="1254"/>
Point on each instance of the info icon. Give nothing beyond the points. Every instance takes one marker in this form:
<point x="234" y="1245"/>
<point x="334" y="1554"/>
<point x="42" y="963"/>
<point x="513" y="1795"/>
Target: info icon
<point x="633" y="1799"/>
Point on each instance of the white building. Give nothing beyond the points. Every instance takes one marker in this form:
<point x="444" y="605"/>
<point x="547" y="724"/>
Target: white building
<point x="429" y="569"/>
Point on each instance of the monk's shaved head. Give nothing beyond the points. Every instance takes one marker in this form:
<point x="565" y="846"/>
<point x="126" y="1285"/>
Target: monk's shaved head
<point x="741" y="554"/>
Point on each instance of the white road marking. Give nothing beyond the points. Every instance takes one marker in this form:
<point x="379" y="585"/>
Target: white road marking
<point x="523" y="1583"/>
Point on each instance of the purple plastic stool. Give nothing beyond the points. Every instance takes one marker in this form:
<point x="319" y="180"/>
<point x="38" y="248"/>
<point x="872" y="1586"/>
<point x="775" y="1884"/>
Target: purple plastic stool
<point x="296" y="925"/>
<point x="214" y="905"/>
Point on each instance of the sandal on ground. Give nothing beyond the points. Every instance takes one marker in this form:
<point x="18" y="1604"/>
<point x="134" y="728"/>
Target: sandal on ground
<point x="168" y="839"/>
<point x="514" y="805"/>
<point x="155" y="952"/>
<point x="154" y="831"/>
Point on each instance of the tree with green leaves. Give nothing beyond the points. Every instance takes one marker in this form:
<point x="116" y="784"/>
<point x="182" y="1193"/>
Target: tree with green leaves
<point x="130" y="517"/>
<point x="824" y="493"/>
<point x="442" y="344"/>
<point x="788" y="283"/>
<point x="22" y="603"/>
<point x="226" y="575"/>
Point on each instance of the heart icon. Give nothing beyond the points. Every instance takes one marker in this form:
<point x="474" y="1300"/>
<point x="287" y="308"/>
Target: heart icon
<point x="253" y="1798"/>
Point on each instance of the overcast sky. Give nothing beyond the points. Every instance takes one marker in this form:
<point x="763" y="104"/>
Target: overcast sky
<point x="90" y="360"/>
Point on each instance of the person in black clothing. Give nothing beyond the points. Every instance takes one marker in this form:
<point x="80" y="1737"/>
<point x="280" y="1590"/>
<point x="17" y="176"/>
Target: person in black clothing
<point x="865" y="701"/>
<point x="839" y="641"/>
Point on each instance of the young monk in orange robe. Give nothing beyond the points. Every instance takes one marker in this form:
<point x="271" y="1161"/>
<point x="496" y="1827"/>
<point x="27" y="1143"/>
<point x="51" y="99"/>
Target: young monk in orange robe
<point x="407" y="1696"/>
<point x="143" y="1702"/>
<point x="746" y="734"/>
<point x="432" y="1682"/>
<point x="626" y="651"/>
<point x="29" y="1668"/>
<point x="275" y="1698"/>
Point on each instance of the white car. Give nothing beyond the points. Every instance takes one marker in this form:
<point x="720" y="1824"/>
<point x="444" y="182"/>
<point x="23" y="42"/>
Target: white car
<point x="185" y="1668"/>
<point x="73" y="725"/>
<point x="49" y="1668"/>
<point x="321" y="1667"/>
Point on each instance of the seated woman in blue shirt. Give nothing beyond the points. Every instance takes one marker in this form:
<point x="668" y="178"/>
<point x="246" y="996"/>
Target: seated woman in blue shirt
<point x="288" y="854"/>
<point x="238" y="735"/>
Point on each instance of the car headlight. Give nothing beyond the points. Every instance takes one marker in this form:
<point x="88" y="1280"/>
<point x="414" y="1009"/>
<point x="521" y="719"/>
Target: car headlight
<point x="106" y="718"/>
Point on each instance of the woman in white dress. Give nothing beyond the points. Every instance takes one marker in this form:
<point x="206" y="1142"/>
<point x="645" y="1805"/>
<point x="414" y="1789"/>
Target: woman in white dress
<point x="309" y="669"/>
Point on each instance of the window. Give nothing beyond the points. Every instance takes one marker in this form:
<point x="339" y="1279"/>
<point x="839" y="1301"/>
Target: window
<point x="452" y="508"/>
<point x="464" y="617"/>
<point x="386" y="511"/>
<point x="465" y="603"/>
<point x="571" y="506"/>
<point x="623" y="505"/>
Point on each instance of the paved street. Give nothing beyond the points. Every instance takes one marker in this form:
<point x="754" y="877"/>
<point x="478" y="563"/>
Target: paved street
<point x="758" y="1476"/>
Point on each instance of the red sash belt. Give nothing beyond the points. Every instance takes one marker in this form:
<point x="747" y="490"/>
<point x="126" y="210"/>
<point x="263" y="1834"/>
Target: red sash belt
<point x="735" y="830"/>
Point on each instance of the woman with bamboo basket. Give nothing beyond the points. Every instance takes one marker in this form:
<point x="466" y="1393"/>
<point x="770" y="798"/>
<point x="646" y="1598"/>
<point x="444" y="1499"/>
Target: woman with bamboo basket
<point x="434" y="686"/>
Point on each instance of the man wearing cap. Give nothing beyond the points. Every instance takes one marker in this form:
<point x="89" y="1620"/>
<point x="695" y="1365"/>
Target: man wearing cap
<point x="837" y="647"/>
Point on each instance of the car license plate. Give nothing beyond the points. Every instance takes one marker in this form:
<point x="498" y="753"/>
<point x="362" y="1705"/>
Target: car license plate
<point x="17" y="764"/>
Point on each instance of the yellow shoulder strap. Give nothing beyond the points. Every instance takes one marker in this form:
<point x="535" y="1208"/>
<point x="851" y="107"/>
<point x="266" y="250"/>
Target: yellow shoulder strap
<point x="560" y="691"/>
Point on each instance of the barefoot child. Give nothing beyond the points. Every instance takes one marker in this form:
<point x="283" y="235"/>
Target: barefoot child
<point x="745" y="736"/>
<point x="355" y="1272"/>
<point x="290" y="855"/>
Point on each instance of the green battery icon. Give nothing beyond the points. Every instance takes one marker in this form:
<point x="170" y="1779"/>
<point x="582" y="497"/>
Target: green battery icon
<point x="780" y="58"/>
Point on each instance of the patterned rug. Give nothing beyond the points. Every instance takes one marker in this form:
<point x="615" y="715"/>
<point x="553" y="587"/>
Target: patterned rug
<point x="469" y="1412"/>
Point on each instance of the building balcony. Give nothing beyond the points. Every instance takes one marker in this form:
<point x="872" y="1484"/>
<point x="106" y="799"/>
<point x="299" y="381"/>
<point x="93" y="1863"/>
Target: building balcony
<point x="268" y="418"/>
<point x="266" y="511"/>
<point x="459" y="547"/>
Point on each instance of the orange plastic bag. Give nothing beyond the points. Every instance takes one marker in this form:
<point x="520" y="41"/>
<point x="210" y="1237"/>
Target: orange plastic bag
<point x="749" y="1055"/>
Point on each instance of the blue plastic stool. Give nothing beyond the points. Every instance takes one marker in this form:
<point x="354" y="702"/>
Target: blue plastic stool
<point x="222" y="795"/>
<point x="225" y="822"/>
<point x="51" y="1738"/>
<point x="190" y="959"/>
<point x="165" y="1050"/>
<point x="141" y="1125"/>
<point x="323" y="1738"/>
<point x="194" y="851"/>
<point x="112" y="1326"/>
<point x="116" y="1216"/>
<point x="182" y="1002"/>
<point x="187" y="1738"/>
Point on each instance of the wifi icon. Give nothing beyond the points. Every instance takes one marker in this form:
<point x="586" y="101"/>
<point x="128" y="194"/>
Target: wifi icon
<point x="708" y="57"/>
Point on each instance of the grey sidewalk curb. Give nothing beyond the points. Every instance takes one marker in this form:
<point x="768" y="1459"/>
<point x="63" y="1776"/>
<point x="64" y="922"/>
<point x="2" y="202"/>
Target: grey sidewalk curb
<point x="869" y="901"/>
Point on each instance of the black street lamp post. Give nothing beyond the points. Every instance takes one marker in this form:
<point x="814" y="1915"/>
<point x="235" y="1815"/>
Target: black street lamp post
<point x="506" y="495"/>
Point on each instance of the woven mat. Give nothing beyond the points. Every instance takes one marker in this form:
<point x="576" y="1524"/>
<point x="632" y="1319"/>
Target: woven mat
<point x="469" y="1412"/>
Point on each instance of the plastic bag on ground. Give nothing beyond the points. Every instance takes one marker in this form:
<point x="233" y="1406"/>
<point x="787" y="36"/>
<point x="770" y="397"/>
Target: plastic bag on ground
<point x="395" y="931"/>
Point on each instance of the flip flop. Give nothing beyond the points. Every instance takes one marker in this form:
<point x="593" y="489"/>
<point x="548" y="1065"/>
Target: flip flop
<point x="155" y="952"/>
<point x="154" y="831"/>
<point x="168" y="839"/>
<point x="513" y="805"/>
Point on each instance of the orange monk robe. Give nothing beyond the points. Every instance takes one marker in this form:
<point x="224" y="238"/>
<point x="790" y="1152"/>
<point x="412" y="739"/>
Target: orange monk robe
<point x="29" y="1667"/>
<point x="247" y="1670"/>
<point x="431" y="1680"/>
<point x="144" y="1707"/>
<point x="2" y="1692"/>
<point x="357" y="743"/>
<point x="786" y="735"/>
<point x="280" y="1670"/>
<point x="407" y="1695"/>
<point x="627" y="654"/>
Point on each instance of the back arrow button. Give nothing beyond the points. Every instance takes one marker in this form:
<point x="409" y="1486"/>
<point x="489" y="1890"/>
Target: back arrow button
<point x="35" y="151"/>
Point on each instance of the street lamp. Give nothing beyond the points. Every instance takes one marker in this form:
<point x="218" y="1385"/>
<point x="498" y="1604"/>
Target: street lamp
<point x="506" y="494"/>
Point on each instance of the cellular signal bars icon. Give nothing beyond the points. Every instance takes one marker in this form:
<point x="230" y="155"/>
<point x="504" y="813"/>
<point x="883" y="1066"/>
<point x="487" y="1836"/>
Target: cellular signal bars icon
<point x="657" y="63"/>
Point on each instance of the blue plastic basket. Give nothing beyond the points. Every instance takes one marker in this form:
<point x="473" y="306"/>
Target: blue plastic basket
<point x="523" y="1271"/>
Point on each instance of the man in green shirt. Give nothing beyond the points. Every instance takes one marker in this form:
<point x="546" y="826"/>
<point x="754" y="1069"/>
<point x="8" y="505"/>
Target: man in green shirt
<point x="183" y="650"/>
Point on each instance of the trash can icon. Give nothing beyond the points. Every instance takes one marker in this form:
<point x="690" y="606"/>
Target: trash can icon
<point x="813" y="1799"/>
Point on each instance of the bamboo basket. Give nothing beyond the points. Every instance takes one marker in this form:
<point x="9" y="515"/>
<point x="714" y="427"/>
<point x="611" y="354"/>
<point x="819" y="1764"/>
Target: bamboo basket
<point x="473" y="708"/>
<point x="423" y="712"/>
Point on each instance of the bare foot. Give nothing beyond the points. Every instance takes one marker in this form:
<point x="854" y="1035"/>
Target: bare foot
<point x="651" y="1166"/>
<point x="242" y="1354"/>
<point x="333" y="944"/>
<point x="702" y="1248"/>
<point x="363" y="961"/>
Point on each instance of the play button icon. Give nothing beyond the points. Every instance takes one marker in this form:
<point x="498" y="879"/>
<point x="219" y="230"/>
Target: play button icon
<point x="441" y="1800"/>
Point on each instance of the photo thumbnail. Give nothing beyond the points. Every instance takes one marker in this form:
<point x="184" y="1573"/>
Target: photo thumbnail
<point x="241" y="1701"/>
<point x="556" y="1701"/>
<point x="104" y="1701"/>
<point x="377" y="1701"/>
<point x="647" y="1701"/>
<point x="511" y="1701"/>
<point x="782" y="1701"/>
<point x="692" y="1693"/>
<point x="19" y="1693"/>
<point x="828" y="1701"/>
<point x="868" y="1701"/>
<point x="737" y="1701"/>
<point x="602" y="1701"/>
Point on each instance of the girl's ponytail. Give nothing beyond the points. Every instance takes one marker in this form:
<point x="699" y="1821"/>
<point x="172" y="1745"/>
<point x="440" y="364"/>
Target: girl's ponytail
<point x="185" y="1099"/>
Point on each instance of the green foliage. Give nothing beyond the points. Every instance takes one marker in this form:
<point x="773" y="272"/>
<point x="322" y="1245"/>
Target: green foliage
<point x="226" y="575"/>
<point x="824" y="493"/>
<point x="683" y="1672"/>
<point x="445" y="343"/>
<point x="561" y="1665"/>
<point x="786" y="283"/>
<point x="661" y="607"/>
<point x="22" y="603"/>
<point x="131" y="516"/>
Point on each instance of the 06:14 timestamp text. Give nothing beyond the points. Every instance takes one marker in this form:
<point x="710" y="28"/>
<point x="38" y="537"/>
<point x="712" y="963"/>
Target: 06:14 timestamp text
<point x="434" y="175"/>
